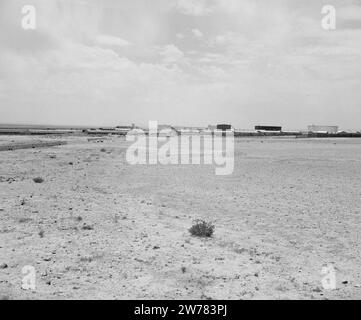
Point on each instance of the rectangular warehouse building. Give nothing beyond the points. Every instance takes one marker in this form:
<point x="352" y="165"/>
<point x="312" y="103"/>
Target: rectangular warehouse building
<point x="268" y="128"/>
<point x="326" y="129"/>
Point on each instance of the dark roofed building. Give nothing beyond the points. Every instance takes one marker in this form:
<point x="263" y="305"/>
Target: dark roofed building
<point x="224" y="127"/>
<point x="268" y="128"/>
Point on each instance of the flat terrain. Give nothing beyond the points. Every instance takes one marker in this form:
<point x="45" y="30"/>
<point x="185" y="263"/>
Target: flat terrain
<point x="98" y="227"/>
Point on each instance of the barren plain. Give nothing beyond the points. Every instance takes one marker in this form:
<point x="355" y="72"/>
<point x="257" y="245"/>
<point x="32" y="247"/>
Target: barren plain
<point x="99" y="228"/>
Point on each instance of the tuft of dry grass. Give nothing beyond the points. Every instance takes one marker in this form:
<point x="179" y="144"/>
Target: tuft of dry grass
<point x="92" y="257"/>
<point x="38" y="180"/>
<point x="87" y="227"/>
<point x="202" y="228"/>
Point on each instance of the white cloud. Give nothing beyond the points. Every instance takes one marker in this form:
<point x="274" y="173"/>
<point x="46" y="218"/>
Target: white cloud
<point x="197" y="33"/>
<point x="194" y="7"/>
<point x="349" y="13"/>
<point x="171" y="54"/>
<point x="106" y="40"/>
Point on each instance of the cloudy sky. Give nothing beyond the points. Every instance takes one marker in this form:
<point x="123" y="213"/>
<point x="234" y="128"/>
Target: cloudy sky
<point x="184" y="62"/>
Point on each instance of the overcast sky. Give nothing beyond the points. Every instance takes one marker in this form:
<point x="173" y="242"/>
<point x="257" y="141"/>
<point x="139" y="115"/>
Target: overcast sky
<point x="182" y="62"/>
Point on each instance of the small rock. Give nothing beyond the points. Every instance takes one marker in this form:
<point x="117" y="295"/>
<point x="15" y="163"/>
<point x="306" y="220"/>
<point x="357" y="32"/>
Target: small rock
<point x="3" y="266"/>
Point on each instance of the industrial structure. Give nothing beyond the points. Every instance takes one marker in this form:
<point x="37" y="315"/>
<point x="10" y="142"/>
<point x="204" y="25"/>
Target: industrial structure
<point x="224" y="127"/>
<point x="322" y="129"/>
<point x="268" y="128"/>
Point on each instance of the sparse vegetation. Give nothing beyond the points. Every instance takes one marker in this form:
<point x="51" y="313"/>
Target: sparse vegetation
<point x="202" y="228"/>
<point x="86" y="259"/>
<point x="38" y="180"/>
<point x="87" y="227"/>
<point x="92" y="257"/>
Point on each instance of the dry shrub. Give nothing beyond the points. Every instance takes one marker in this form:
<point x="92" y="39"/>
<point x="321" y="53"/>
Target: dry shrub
<point x="202" y="228"/>
<point x="87" y="227"/>
<point x="38" y="180"/>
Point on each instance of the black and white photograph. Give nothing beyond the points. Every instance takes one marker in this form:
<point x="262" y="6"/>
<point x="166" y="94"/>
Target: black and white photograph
<point x="180" y="150"/>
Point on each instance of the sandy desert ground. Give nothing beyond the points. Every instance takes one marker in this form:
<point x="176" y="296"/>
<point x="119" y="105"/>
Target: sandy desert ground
<point x="99" y="228"/>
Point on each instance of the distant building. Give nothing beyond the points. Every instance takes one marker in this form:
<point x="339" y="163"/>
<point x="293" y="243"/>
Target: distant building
<point x="268" y="128"/>
<point x="124" y="129"/>
<point x="165" y="130"/>
<point x="323" y="129"/>
<point x="189" y="130"/>
<point x="224" y="127"/>
<point x="135" y="132"/>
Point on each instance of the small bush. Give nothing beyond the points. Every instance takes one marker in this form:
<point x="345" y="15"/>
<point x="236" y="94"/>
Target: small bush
<point x="87" y="227"/>
<point x="202" y="229"/>
<point x="38" y="180"/>
<point x="103" y="150"/>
